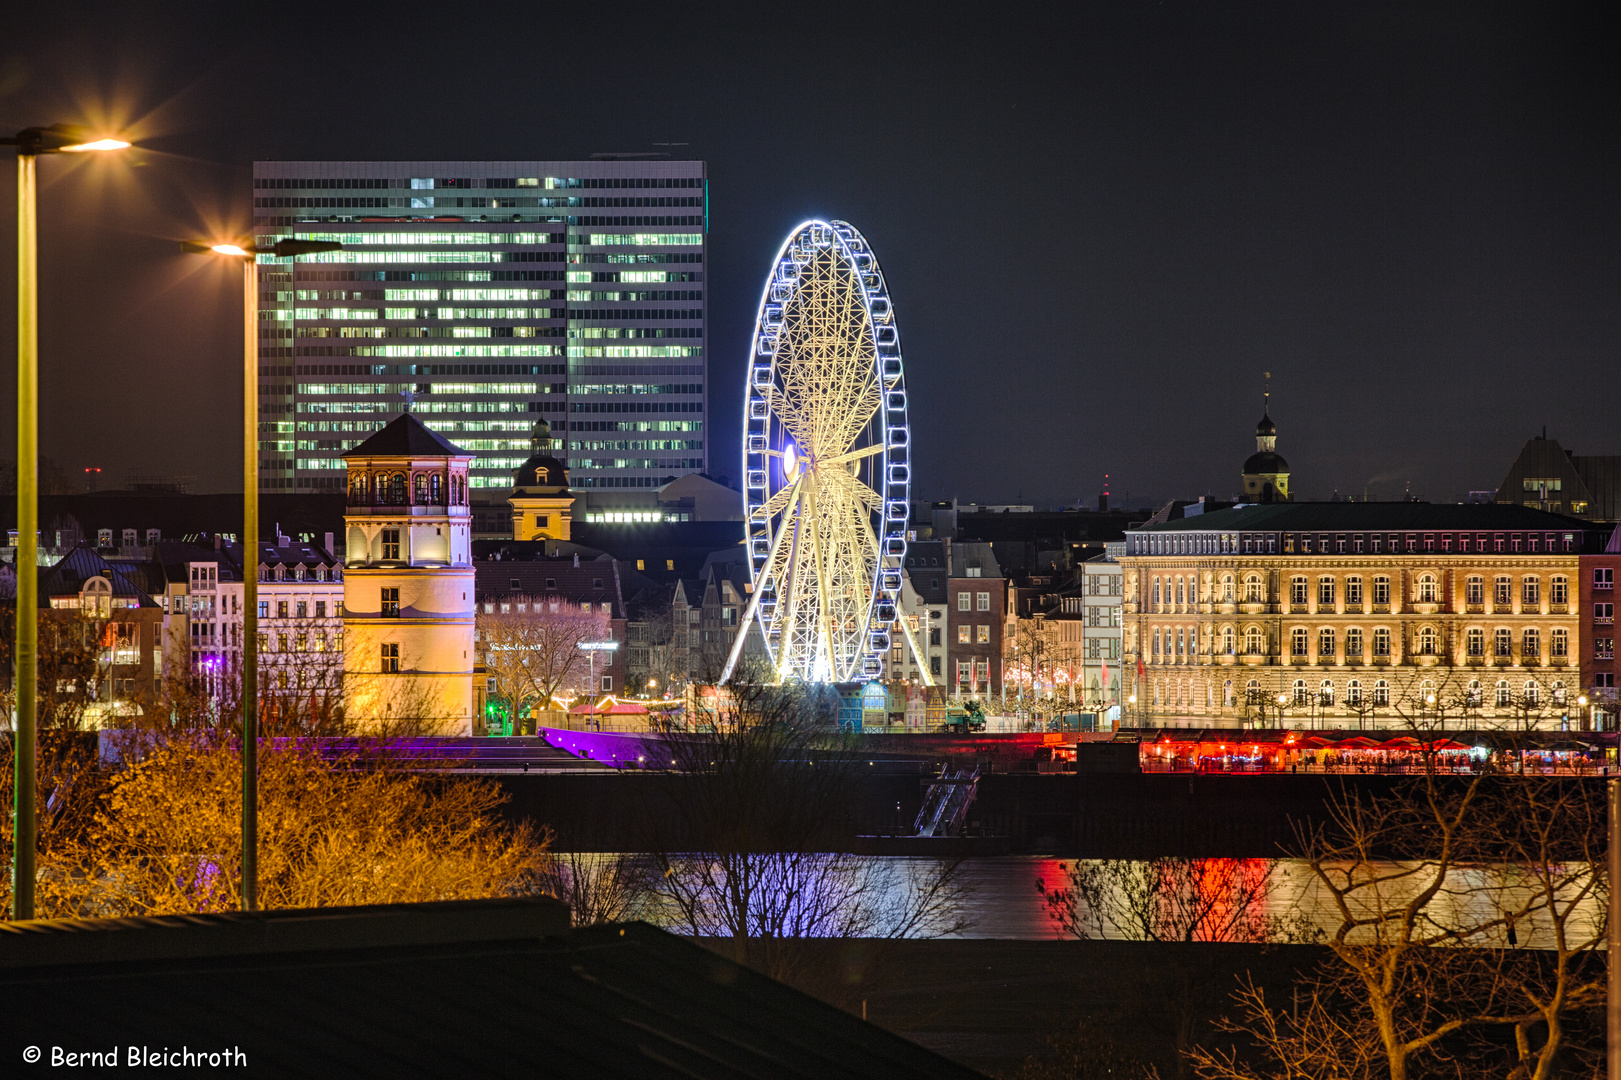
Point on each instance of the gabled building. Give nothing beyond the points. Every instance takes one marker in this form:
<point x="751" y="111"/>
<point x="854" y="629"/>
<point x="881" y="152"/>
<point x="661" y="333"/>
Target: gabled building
<point x="1548" y="477"/>
<point x="87" y="594"/>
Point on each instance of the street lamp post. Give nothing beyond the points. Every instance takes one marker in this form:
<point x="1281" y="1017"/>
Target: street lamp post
<point x="591" y="649"/>
<point x="248" y="253"/>
<point x="30" y="143"/>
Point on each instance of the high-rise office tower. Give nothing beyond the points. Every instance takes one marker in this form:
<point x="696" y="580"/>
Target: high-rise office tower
<point x="484" y="296"/>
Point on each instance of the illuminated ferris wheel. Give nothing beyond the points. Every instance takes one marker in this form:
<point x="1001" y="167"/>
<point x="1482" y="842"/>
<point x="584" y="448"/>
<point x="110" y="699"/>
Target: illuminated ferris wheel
<point x="826" y="462"/>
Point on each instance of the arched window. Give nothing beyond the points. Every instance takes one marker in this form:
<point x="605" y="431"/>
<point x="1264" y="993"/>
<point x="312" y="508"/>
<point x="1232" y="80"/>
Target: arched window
<point x="1558" y="589"/>
<point x="1532" y="695"/>
<point x="396" y="489"/>
<point x="1300" y="693"/>
<point x="1252" y="691"/>
<point x="1227" y="641"/>
<point x="1381" y="693"/>
<point x="1530" y="593"/>
<point x="419" y="489"/>
<point x="1253" y="642"/>
<point x="1254" y="591"/>
<point x="1381" y="642"/>
<point x="1227" y="589"/>
<point x="436" y="491"/>
<point x="1298" y="642"/>
<point x="1474" y="590"/>
<point x="298" y="572"/>
<point x="1503" y="697"/>
<point x="1559" y="643"/>
<point x="1558" y="692"/>
<point x="1156" y="641"/>
<point x="1297" y="590"/>
<point x="1156" y="593"/>
<point x="1530" y="644"/>
<point x="357" y="489"/>
<point x="1353" y="642"/>
<point x="1353" y="692"/>
<point x="1426" y="589"/>
<point x="1474" y="694"/>
<point x="1325" y="643"/>
<point x="1325" y="694"/>
<point x="1502" y="642"/>
<point x="1426" y="641"/>
<point x="1181" y="595"/>
<point x="1475" y="641"/>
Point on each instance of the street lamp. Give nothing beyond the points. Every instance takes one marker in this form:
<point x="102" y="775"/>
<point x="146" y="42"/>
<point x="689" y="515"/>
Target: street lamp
<point x="591" y="649"/>
<point x="30" y="143"/>
<point x="248" y="253"/>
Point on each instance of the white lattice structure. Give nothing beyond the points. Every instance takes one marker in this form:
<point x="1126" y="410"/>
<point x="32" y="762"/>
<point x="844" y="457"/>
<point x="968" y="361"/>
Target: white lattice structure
<point x="825" y="460"/>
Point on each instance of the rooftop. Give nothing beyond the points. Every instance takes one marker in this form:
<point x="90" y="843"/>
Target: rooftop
<point x="406" y="436"/>
<point x="488" y="988"/>
<point x="1371" y="516"/>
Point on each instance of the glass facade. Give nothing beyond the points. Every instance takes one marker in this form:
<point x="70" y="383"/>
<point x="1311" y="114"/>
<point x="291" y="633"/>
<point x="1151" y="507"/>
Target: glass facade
<point x="486" y="296"/>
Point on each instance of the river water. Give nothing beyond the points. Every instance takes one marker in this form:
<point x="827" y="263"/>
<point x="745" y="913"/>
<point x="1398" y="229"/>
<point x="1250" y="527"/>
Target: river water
<point x="999" y="898"/>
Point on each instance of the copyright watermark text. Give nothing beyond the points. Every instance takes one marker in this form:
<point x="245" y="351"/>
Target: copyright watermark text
<point x="183" y="1057"/>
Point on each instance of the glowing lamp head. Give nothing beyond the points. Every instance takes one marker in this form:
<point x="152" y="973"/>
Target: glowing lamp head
<point x="790" y="462"/>
<point x="1430" y="700"/>
<point x="227" y="249"/>
<point x="1582" y="700"/>
<point x="92" y="147"/>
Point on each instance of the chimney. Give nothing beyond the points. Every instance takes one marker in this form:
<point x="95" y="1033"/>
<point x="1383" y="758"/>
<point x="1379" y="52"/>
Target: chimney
<point x="329" y="549"/>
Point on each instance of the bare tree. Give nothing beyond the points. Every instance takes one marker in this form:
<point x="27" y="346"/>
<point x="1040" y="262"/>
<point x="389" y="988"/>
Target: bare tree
<point x="746" y="851"/>
<point x="334" y="830"/>
<point x="1418" y="981"/>
<point x="1174" y="899"/>
<point x="533" y="653"/>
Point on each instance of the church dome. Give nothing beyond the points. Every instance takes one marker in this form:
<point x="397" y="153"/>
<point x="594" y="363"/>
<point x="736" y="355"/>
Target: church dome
<point x="1266" y="427"/>
<point x="1265" y="462"/>
<point x="541" y="470"/>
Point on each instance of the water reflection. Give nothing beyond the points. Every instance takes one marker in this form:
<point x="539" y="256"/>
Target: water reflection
<point x="1000" y="899"/>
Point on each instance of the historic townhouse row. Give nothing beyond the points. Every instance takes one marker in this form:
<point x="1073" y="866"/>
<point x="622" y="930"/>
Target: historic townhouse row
<point x="1297" y="612"/>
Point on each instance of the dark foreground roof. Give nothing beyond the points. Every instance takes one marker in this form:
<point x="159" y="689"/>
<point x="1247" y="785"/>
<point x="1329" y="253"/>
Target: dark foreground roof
<point x="406" y="436"/>
<point x="460" y="989"/>
<point x="1372" y="516"/>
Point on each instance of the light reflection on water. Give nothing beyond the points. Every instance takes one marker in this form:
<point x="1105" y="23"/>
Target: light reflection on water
<point x="1000" y="898"/>
<point x="1002" y="901"/>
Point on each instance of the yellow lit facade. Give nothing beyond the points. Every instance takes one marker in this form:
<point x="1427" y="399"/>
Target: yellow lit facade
<point x="1354" y="614"/>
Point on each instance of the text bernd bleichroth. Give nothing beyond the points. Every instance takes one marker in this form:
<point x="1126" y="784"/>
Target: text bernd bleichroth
<point x="183" y="1057"/>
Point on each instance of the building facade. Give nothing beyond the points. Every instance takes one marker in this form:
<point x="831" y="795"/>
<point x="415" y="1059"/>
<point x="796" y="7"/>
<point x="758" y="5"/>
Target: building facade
<point x="408" y="598"/>
<point x="490" y="293"/>
<point x="1369" y="614"/>
<point x="976" y="621"/>
<point x="1598" y="575"/>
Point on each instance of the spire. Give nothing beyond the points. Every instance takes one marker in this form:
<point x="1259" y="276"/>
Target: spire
<point x="1266" y="432"/>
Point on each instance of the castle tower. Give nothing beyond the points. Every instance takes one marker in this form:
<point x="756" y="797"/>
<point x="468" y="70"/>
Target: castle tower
<point x="1266" y="473"/>
<point x="542" y="508"/>
<point x="408" y="582"/>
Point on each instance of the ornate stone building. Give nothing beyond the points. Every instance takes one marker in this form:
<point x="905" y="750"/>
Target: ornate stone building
<point x="1356" y="614"/>
<point x="408" y="597"/>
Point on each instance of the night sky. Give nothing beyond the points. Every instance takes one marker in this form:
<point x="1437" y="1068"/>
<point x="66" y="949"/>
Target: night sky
<point x="1100" y="223"/>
